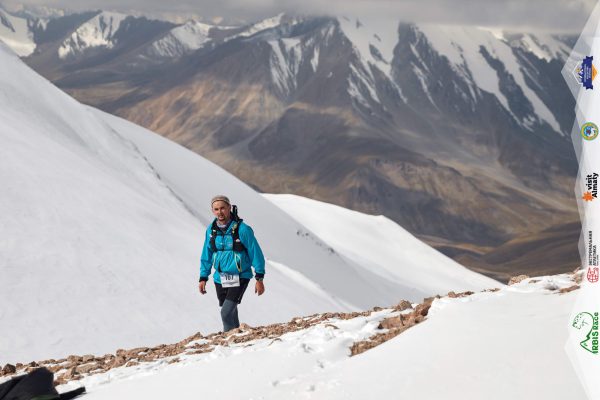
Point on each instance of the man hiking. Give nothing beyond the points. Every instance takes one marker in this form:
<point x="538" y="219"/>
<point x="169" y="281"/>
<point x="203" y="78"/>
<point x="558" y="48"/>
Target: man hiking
<point x="231" y="249"/>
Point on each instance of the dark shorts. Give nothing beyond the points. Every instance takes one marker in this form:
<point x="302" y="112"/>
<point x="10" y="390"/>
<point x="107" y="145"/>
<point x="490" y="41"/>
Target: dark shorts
<point x="233" y="294"/>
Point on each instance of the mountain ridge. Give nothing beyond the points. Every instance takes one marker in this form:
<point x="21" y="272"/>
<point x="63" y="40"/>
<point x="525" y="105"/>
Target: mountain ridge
<point x="458" y="133"/>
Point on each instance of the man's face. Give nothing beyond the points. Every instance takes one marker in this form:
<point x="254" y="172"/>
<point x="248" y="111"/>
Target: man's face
<point x="221" y="210"/>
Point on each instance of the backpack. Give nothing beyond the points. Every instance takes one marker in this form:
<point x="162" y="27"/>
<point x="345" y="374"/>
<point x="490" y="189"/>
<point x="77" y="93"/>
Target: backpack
<point x="236" y="221"/>
<point x="36" y="385"/>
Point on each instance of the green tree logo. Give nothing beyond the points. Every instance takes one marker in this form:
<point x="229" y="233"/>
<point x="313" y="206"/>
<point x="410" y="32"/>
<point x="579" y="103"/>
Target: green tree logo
<point x="587" y="322"/>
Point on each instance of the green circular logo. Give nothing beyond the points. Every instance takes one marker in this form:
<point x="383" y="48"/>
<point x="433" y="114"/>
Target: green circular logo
<point x="589" y="131"/>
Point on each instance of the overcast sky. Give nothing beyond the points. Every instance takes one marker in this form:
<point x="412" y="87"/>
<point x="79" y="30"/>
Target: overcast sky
<point x="568" y="15"/>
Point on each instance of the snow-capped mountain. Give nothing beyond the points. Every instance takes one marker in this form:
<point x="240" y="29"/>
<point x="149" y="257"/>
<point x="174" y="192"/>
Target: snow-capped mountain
<point x="99" y="31"/>
<point x="191" y="36"/>
<point x="181" y="40"/>
<point x="40" y="12"/>
<point x="473" y="54"/>
<point x="15" y="32"/>
<point x="32" y="27"/>
<point x="432" y="126"/>
<point x="103" y="227"/>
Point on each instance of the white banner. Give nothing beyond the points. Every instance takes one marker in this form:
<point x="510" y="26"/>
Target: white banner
<point x="580" y="73"/>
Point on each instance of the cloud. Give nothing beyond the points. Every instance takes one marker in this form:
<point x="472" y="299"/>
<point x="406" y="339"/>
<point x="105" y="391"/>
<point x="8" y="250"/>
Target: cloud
<point x="552" y="15"/>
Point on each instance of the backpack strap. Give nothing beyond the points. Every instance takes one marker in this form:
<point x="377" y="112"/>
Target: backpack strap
<point x="213" y="235"/>
<point x="234" y="214"/>
<point x="235" y="234"/>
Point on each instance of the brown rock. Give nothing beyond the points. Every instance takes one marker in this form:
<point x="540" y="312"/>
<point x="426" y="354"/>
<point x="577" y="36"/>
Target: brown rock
<point x="148" y="357"/>
<point x="392" y="322"/>
<point x="118" y="361"/>
<point x="8" y="369"/>
<point x="68" y="365"/>
<point x="200" y="351"/>
<point x="55" y="368"/>
<point x="517" y="279"/>
<point x="132" y="363"/>
<point x="453" y="295"/>
<point x="69" y="374"/>
<point x="74" y="359"/>
<point x="196" y="336"/>
<point x="86" y="368"/>
<point x="403" y="305"/>
<point x="136" y="351"/>
<point x="422" y="309"/>
<point x="568" y="289"/>
<point x="394" y="326"/>
<point x="87" y="358"/>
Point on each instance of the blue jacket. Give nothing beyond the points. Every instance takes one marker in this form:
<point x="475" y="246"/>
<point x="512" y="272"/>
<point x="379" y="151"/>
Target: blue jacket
<point x="229" y="261"/>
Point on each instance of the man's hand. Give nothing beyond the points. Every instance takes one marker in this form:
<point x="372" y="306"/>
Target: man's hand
<point x="259" y="287"/>
<point x="202" y="287"/>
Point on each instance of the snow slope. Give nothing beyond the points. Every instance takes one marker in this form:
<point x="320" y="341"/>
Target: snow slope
<point x="499" y="345"/>
<point x="378" y="33"/>
<point x="16" y="34"/>
<point x="390" y="251"/>
<point x="90" y="236"/>
<point x="96" y="251"/>
<point x="289" y="236"/>
<point x="102" y="228"/>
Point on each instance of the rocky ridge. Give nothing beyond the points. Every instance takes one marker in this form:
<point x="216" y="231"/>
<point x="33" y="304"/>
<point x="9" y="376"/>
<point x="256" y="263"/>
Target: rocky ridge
<point x="402" y="317"/>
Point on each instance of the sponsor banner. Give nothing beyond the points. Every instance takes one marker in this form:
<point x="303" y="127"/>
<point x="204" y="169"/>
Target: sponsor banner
<point x="583" y="344"/>
<point x="586" y="323"/>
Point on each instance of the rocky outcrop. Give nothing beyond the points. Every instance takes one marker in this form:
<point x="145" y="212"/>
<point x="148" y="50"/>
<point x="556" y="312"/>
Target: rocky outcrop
<point x="517" y="279"/>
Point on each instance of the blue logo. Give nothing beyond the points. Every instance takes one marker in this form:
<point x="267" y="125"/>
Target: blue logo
<point x="585" y="73"/>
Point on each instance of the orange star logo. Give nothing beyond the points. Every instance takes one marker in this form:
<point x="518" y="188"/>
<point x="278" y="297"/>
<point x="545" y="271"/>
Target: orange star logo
<point x="587" y="196"/>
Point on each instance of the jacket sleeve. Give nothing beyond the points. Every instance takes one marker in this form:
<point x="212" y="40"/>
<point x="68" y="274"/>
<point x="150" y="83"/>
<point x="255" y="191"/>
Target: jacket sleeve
<point x="254" y="251"/>
<point x="206" y="259"/>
